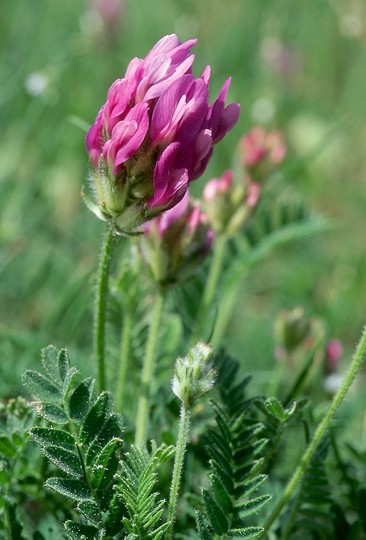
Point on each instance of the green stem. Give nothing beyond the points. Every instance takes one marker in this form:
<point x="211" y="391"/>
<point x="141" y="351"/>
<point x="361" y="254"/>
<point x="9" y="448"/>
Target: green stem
<point x="101" y="305"/>
<point x="319" y="433"/>
<point x="123" y="360"/>
<point x="178" y="467"/>
<point x="211" y="287"/>
<point x="148" y="370"/>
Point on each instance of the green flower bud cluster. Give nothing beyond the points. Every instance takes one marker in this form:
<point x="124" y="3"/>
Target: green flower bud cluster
<point x="194" y="374"/>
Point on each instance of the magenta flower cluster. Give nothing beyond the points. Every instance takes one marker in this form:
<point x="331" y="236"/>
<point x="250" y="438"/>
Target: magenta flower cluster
<point x="156" y="131"/>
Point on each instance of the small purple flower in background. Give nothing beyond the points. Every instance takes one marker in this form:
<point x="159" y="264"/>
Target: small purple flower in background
<point x="333" y="355"/>
<point x="176" y="242"/>
<point x="230" y="205"/>
<point x="110" y="11"/>
<point x="280" y="57"/>
<point x="103" y="20"/>
<point x="154" y="135"/>
<point x="261" y="151"/>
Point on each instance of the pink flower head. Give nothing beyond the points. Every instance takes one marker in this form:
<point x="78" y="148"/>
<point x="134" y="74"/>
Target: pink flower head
<point x="259" y="145"/>
<point x="156" y="131"/>
<point x="177" y="241"/>
<point x="218" y="186"/>
<point x="229" y="205"/>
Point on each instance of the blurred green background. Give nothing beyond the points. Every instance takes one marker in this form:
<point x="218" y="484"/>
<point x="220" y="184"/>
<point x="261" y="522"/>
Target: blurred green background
<point x="295" y="65"/>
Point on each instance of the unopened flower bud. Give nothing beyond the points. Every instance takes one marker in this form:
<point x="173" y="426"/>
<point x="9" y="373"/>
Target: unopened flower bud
<point x="194" y="374"/>
<point x="175" y="243"/>
<point x="291" y="329"/>
<point x="229" y="205"/>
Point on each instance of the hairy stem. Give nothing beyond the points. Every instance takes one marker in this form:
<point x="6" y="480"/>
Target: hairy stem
<point x="211" y="287"/>
<point x="124" y="358"/>
<point x="178" y="467"/>
<point x="148" y="369"/>
<point x="101" y="305"/>
<point x="319" y="433"/>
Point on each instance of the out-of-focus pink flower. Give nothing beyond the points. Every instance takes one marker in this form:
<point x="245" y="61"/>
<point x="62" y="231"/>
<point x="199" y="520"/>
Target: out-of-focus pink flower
<point x="109" y="10"/>
<point x="333" y="355"/>
<point x="282" y="59"/>
<point x="230" y="205"/>
<point x="218" y="186"/>
<point x="176" y="242"/>
<point x="259" y="146"/>
<point x="254" y="191"/>
<point x="156" y="131"/>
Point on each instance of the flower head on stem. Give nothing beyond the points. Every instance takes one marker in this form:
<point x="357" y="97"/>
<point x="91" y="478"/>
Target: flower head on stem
<point x="193" y="377"/>
<point x="154" y="135"/>
<point x="261" y="151"/>
<point x="229" y="205"/>
<point x="176" y="242"/>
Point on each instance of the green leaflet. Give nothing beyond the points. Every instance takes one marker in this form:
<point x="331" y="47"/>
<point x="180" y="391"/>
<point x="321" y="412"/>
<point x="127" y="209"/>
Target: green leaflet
<point x="112" y="428"/>
<point x="90" y="510"/>
<point x="66" y="460"/>
<point x="274" y="407"/>
<point x="79" y="401"/>
<point x="215" y="514"/>
<point x="52" y="436"/>
<point x="41" y="386"/>
<point x="249" y="532"/>
<point x="103" y="465"/>
<point x="7" y="448"/>
<point x="49" y="359"/>
<point x="221" y="494"/>
<point x="52" y="413"/>
<point x="78" y="531"/>
<point x="202" y="527"/>
<point x="63" y="364"/>
<point x="74" y="489"/>
<point x="95" y="418"/>
<point x="253" y="505"/>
